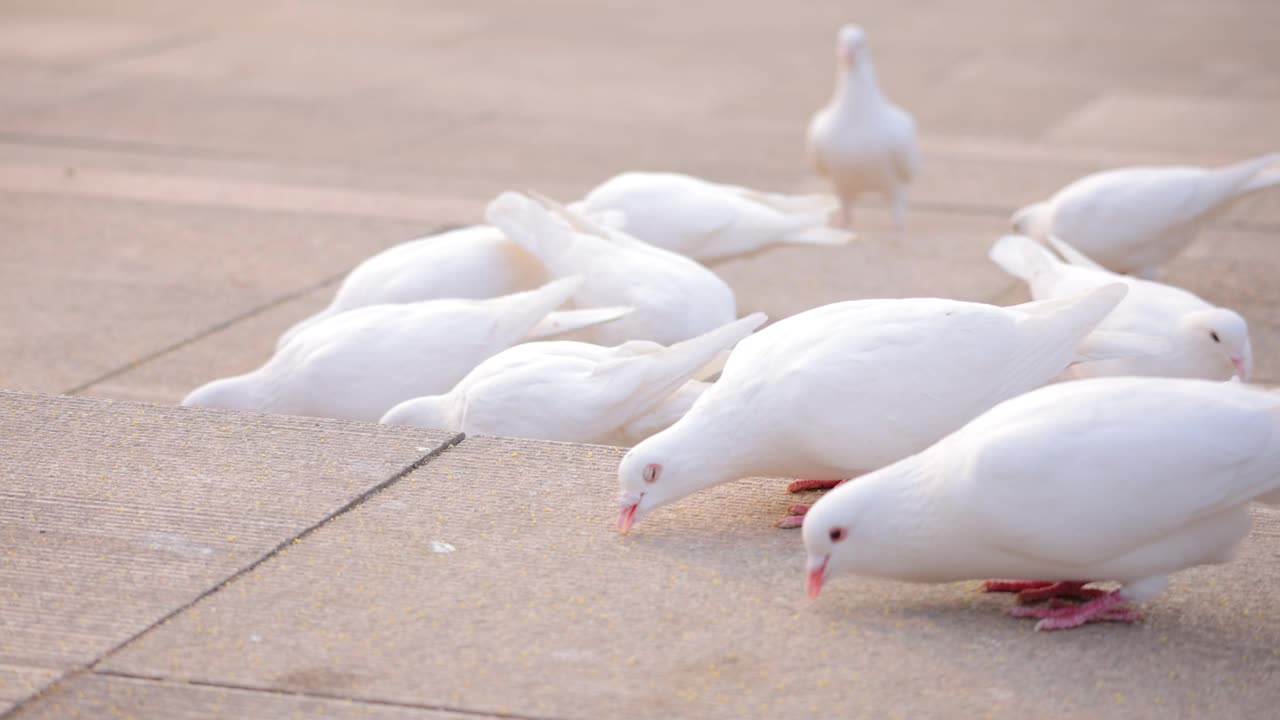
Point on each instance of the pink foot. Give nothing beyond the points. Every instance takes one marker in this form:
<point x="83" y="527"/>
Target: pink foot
<point x="794" y="518"/>
<point x="1107" y="607"/>
<point x="803" y="485"/>
<point x="1030" y="591"/>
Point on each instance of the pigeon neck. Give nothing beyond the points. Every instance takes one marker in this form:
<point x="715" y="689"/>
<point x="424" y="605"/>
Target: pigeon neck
<point x="897" y="530"/>
<point x="857" y="85"/>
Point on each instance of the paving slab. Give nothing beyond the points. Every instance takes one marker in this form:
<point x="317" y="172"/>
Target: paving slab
<point x="115" y="514"/>
<point x="492" y="581"/>
<point x="99" y="696"/>
<point x="1144" y="119"/>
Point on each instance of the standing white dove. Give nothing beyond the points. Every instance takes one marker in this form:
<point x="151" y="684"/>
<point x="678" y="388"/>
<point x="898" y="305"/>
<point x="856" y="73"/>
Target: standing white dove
<point x="675" y="298"/>
<point x="1113" y="479"/>
<point x="569" y="391"/>
<point x="711" y="221"/>
<point x="861" y="141"/>
<point x="1133" y="219"/>
<point x="356" y="365"/>
<point x="474" y="263"/>
<point x="853" y="386"/>
<point x="1205" y="342"/>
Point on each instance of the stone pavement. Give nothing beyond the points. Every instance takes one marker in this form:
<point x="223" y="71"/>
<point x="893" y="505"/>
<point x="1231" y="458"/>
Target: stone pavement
<point x="181" y="181"/>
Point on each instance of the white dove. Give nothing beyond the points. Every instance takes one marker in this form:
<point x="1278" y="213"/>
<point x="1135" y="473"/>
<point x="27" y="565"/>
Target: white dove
<point x="1113" y="479"/>
<point x="358" y="364"/>
<point x="710" y="221"/>
<point x="569" y="391"/>
<point x="1205" y="342"/>
<point x="861" y="141"/>
<point x="1133" y="219"/>
<point x="675" y="298"/>
<point x="475" y="263"/>
<point x="853" y="386"/>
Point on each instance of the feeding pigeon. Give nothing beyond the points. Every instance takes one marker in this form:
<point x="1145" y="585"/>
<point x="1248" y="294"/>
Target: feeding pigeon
<point x="1133" y="219"/>
<point x="1204" y="341"/>
<point x="569" y="391"/>
<point x="675" y="298"/>
<point x="854" y="386"/>
<point x="710" y="221"/>
<point x="1112" y="479"/>
<point x="474" y="263"/>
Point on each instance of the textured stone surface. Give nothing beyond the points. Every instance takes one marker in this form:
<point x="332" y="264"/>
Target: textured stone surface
<point x="98" y="696"/>
<point x="541" y="609"/>
<point x="181" y="181"/>
<point x="113" y="515"/>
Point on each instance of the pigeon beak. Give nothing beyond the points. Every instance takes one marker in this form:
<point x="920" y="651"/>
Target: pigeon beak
<point x="814" y="585"/>
<point x="1241" y="370"/>
<point x="627" y="518"/>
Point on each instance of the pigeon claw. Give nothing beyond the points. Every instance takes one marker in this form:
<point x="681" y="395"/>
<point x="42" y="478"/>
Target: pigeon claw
<point x="1032" y="591"/>
<point x="1107" y="607"/>
<point x="804" y="485"/>
<point x="794" y="518"/>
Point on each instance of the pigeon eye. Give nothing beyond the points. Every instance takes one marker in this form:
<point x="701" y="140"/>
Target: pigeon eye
<point x="837" y="534"/>
<point x="651" y="472"/>
<point x="1214" y="334"/>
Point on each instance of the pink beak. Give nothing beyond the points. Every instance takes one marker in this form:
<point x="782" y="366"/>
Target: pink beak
<point x="814" y="586"/>
<point x="1239" y="363"/>
<point x="627" y="518"/>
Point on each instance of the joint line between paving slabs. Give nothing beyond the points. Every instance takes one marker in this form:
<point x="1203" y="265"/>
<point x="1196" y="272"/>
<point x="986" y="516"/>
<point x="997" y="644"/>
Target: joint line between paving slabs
<point x="350" y="505"/>
<point x="320" y="696"/>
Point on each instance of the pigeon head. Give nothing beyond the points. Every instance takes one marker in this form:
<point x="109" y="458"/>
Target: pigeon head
<point x="877" y="524"/>
<point x="1033" y="221"/>
<point x="851" y="45"/>
<point x="1220" y="336"/>
<point x="831" y="535"/>
<point x="657" y="472"/>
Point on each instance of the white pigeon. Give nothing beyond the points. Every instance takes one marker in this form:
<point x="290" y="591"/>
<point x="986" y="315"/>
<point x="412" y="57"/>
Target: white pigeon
<point x="1133" y="219"/>
<point x="1115" y="479"/>
<point x="475" y="263"/>
<point x="853" y="386"/>
<point x="1205" y="342"/>
<point x="861" y="141"/>
<point x="710" y="221"/>
<point x="675" y="298"/>
<point x="358" y="364"/>
<point x="569" y="391"/>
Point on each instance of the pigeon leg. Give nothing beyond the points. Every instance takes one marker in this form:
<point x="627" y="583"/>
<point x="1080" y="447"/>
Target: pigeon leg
<point x="1108" y="607"/>
<point x="844" y="216"/>
<point x="1030" y="591"/>
<point x="899" y="203"/>
<point x="803" y="485"/>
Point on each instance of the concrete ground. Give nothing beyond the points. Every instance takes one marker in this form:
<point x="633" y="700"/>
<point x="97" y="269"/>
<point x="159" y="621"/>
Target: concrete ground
<point x="181" y="181"/>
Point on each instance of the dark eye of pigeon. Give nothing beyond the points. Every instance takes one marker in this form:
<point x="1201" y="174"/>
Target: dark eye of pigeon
<point x="651" y="472"/>
<point x="837" y="534"/>
<point x="1214" y="334"/>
